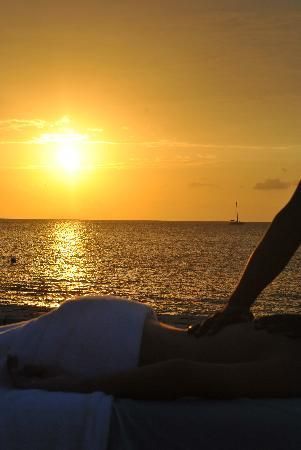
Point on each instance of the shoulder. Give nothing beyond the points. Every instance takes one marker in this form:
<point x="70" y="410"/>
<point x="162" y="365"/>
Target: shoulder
<point x="294" y="206"/>
<point x="296" y="198"/>
<point x="288" y="219"/>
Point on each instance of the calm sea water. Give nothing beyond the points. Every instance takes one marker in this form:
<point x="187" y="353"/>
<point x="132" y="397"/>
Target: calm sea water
<point x="179" y="268"/>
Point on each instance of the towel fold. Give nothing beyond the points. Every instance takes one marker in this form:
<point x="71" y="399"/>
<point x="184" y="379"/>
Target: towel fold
<point x="90" y="336"/>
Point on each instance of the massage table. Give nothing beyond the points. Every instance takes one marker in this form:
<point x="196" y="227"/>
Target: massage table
<point x="190" y="424"/>
<point x="38" y="420"/>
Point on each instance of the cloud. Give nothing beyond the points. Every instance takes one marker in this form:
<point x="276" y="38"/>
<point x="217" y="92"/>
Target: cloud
<point x="197" y="185"/>
<point x="20" y="124"/>
<point x="62" y="122"/>
<point x="95" y="130"/>
<point x="39" y="124"/>
<point x="22" y="167"/>
<point x="63" y="125"/>
<point x="272" y="184"/>
<point x="58" y="138"/>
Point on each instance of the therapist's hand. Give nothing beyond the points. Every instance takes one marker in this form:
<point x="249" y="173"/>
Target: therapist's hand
<point x="219" y="320"/>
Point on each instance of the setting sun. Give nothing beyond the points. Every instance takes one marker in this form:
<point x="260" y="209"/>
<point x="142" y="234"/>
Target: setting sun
<point x="65" y="150"/>
<point x="69" y="158"/>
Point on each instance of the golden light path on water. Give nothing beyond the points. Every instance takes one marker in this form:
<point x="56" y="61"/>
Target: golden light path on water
<point x="69" y="254"/>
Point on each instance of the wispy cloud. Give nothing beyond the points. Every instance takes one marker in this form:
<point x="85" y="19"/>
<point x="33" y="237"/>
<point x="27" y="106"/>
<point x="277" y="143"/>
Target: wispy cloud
<point x="200" y="185"/>
<point x="131" y="153"/>
<point x="21" y="124"/>
<point x="95" y="130"/>
<point x="271" y="184"/>
<point x="63" y="126"/>
<point x="169" y="143"/>
<point x="59" y="138"/>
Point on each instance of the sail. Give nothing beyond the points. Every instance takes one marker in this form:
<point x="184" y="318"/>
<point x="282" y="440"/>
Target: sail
<point x="236" y="221"/>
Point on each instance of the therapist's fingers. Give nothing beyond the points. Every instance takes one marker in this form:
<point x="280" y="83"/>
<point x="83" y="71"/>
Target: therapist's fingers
<point x="217" y="322"/>
<point x="202" y="327"/>
<point x="194" y="328"/>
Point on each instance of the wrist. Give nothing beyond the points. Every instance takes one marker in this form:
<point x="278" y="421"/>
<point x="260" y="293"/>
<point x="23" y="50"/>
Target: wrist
<point x="240" y="301"/>
<point x="236" y="308"/>
<point x="239" y="314"/>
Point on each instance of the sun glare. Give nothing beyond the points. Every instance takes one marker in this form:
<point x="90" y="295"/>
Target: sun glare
<point x="67" y="152"/>
<point x="69" y="158"/>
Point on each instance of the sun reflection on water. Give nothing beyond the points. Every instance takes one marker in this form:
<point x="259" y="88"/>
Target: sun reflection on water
<point x="69" y="254"/>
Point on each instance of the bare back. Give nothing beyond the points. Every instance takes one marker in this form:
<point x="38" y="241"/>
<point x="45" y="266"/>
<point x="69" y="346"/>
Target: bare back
<point x="235" y="343"/>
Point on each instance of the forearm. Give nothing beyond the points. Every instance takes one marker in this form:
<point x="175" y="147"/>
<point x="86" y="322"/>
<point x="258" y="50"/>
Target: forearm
<point x="167" y="380"/>
<point x="271" y="256"/>
<point x="181" y="378"/>
<point x="161" y="381"/>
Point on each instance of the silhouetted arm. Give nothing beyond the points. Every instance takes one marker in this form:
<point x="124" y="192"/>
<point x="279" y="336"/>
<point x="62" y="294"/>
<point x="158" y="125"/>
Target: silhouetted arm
<point x="271" y="255"/>
<point x="268" y="260"/>
<point x="181" y="378"/>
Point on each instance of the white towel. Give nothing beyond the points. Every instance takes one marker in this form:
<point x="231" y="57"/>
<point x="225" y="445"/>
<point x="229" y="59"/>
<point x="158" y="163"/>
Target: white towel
<point x="91" y="336"/>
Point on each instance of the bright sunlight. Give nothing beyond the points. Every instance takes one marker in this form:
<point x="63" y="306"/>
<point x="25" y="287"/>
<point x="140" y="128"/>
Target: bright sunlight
<point x="67" y="149"/>
<point x="69" y="157"/>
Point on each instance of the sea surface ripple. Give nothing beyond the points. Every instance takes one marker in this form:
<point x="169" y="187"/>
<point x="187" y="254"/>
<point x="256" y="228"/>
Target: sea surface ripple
<point x="179" y="268"/>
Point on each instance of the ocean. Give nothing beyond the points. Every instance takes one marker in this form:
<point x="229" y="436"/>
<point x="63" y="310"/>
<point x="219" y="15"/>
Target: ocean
<point x="181" y="269"/>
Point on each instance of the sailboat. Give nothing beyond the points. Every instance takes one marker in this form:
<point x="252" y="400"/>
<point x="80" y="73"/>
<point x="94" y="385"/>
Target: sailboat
<point x="236" y="221"/>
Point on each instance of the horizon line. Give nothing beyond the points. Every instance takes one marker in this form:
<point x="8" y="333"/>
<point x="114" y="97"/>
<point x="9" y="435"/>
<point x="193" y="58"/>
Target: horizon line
<point x="3" y="219"/>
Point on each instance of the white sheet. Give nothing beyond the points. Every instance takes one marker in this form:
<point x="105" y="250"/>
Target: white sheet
<point x="195" y="424"/>
<point x="91" y="336"/>
<point x="40" y="420"/>
<point x="37" y="420"/>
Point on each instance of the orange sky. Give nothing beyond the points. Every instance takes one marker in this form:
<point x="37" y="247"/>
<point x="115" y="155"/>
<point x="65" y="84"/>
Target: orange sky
<point x="175" y="109"/>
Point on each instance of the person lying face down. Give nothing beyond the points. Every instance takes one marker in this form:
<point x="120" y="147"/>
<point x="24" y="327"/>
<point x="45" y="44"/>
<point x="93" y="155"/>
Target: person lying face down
<point x="238" y="361"/>
<point x="144" y="358"/>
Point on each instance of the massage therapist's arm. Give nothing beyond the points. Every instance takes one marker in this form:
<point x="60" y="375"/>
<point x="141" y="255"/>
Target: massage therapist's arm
<point x="269" y="258"/>
<point x="272" y="254"/>
<point x="181" y="378"/>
